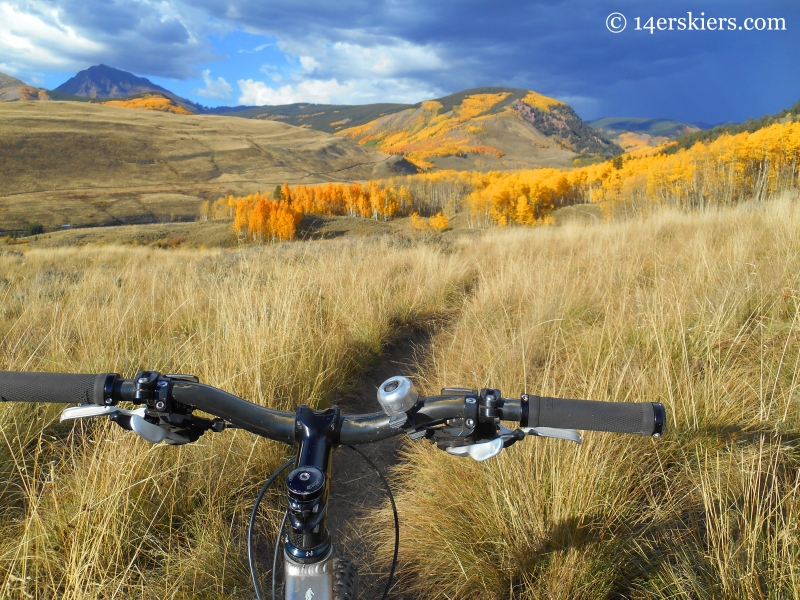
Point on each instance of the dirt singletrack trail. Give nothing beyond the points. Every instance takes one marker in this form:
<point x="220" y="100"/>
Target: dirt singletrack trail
<point x="356" y="488"/>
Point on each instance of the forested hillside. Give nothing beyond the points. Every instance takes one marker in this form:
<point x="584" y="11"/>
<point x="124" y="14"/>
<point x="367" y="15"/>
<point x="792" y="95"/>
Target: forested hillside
<point x="728" y="171"/>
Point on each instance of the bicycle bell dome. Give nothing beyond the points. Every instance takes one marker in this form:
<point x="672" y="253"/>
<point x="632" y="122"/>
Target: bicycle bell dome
<point x="396" y="395"/>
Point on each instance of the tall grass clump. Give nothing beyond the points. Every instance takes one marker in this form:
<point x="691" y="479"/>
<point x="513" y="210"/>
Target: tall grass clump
<point x="89" y="511"/>
<point x="698" y="311"/>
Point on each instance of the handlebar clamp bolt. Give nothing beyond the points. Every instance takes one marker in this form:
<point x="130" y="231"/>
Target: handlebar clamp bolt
<point x="470" y="423"/>
<point x="161" y="405"/>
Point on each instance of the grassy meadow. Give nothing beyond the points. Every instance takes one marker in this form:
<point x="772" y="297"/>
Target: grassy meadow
<point x="698" y="311"/>
<point x="92" y="512"/>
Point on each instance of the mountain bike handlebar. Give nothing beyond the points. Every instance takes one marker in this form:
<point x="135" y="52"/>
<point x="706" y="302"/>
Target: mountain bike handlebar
<point x="461" y="421"/>
<point x="107" y="389"/>
<point x="64" y="388"/>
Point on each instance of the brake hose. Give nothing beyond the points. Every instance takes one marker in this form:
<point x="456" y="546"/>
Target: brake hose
<point x="277" y="552"/>
<point x="394" y="512"/>
<point x="250" y="549"/>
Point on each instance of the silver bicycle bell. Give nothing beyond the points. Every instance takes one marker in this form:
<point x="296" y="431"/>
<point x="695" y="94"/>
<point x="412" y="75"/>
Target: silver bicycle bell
<point x="396" y="395"/>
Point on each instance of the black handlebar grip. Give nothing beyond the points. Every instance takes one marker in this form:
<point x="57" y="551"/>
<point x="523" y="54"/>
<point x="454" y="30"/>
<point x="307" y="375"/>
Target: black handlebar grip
<point x="646" y="418"/>
<point x="66" y="388"/>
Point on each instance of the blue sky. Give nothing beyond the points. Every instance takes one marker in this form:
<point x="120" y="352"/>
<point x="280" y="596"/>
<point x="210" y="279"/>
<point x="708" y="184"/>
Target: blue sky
<point x="229" y="52"/>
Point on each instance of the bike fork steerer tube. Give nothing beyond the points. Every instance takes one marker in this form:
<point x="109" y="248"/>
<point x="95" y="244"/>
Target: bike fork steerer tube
<point x="307" y="550"/>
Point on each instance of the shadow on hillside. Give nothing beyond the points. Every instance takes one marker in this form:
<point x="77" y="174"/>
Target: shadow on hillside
<point x="312" y="227"/>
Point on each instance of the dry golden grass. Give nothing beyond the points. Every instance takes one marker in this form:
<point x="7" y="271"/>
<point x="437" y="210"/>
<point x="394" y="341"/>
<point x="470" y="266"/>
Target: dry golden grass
<point x="92" y="512"/>
<point x="699" y="312"/>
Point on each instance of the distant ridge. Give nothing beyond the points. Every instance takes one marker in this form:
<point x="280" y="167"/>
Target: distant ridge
<point x="102" y="82"/>
<point x="640" y="135"/>
<point x="480" y="128"/>
<point x="9" y="81"/>
<point x="486" y="128"/>
<point x="657" y="127"/>
<point x="12" y="89"/>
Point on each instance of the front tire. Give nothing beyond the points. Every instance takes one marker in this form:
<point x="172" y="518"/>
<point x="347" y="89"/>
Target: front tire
<point x="345" y="580"/>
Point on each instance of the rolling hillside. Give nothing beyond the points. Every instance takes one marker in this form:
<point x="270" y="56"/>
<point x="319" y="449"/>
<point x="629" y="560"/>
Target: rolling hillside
<point x="636" y="134"/>
<point x="70" y="163"/>
<point x="12" y="88"/>
<point x="481" y="128"/>
<point x="484" y="129"/>
<point x="477" y="129"/>
<point x="329" y="118"/>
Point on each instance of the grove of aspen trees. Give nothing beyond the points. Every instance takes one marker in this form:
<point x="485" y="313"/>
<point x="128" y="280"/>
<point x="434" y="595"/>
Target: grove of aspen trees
<point x="728" y="170"/>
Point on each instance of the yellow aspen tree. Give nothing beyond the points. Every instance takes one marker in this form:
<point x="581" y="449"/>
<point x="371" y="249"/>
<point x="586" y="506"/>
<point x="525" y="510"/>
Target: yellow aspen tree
<point x="524" y="212"/>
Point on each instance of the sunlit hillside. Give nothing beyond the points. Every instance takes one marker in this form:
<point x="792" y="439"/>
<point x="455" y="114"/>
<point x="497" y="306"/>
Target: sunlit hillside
<point x="81" y="164"/>
<point x="501" y="128"/>
<point x="150" y="102"/>
<point x="727" y="171"/>
<point x="12" y="89"/>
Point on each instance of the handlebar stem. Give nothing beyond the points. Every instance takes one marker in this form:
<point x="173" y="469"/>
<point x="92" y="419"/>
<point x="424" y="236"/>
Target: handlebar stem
<point x="308" y="485"/>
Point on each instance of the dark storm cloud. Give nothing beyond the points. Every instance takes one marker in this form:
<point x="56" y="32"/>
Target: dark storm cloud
<point x="149" y="38"/>
<point x="557" y="47"/>
<point x="564" y="48"/>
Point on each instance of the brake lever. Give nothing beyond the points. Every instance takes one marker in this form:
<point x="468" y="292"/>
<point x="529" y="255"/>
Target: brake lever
<point x="85" y="411"/>
<point x="133" y="420"/>
<point x="478" y="452"/>
<point x="486" y="450"/>
<point x="551" y="432"/>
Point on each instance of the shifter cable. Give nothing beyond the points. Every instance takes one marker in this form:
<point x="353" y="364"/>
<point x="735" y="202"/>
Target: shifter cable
<point x="250" y="548"/>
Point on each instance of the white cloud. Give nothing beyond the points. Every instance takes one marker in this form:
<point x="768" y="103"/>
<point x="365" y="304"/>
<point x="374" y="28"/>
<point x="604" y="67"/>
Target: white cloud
<point x="331" y="91"/>
<point x="346" y="73"/>
<point x="9" y="69"/>
<point x="219" y="88"/>
<point x="36" y="38"/>
<point x="255" y="50"/>
<point x="384" y="57"/>
<point x="308" y="63"/>
<point x="257" y="93"/>
<point x="163" y="37"/>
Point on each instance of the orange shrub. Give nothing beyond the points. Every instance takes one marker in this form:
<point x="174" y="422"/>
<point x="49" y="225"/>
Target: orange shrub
<point x="439" y="221"/>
